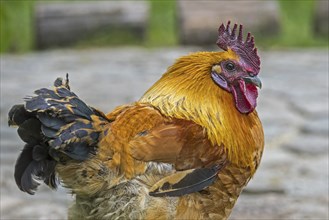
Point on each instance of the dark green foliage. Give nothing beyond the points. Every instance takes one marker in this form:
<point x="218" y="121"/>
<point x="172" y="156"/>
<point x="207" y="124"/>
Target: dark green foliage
<point x="297" y="23"/>
<point x="162" y="28"/>
<point x="16" y="25"/>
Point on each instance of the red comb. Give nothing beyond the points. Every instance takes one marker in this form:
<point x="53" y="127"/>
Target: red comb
<point x="245" y="49"/>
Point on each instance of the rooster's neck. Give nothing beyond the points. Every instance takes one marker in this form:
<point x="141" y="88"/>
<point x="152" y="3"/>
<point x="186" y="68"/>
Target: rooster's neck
<point x="195" y="97"/>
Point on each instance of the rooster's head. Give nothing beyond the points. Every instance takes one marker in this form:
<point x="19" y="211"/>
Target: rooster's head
<point x="237" y="73"/>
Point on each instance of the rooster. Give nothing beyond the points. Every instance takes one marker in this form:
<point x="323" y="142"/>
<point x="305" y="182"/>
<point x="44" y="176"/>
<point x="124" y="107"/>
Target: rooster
<point x="185" y="150"/>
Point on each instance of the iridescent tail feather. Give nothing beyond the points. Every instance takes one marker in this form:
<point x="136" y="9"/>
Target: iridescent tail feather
<point x="56" y="126"/>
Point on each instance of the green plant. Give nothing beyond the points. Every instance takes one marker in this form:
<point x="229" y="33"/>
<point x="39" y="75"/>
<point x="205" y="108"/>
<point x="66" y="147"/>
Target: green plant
<point x="297" y="19"/>
<point x="162" y="27"/>
<point x="16" y="25"/>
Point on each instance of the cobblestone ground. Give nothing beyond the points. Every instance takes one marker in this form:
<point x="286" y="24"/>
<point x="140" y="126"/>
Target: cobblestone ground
<point x="292" y="181"/>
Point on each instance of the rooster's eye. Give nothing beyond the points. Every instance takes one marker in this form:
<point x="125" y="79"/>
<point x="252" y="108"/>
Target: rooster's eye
<point x="230" y="66"/>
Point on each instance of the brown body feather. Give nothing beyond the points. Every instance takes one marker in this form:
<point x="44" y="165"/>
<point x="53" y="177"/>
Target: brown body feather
<point x="184" y="139"/>
<point x="189" y="125"/>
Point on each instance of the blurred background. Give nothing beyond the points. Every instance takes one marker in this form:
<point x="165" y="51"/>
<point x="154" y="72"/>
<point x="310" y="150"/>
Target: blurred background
<point x="33" y="25"/>
<point x="115" y="50"/>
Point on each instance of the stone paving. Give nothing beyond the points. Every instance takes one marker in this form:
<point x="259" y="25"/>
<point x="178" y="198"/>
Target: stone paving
<point x="292" y="181"/>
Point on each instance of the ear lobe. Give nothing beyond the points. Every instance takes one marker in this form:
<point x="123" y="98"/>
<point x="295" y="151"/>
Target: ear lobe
<point x="220" y="81"/>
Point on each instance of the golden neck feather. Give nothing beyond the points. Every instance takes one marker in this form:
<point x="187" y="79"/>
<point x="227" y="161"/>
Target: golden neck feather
<point x="186" y="91"/>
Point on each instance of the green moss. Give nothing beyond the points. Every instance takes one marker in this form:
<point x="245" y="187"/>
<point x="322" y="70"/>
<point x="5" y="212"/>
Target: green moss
<point x="297" y="20"/>
<point x="162" y="29"/>
<point x="110" y="37"/>
<point x="16" y="26"/>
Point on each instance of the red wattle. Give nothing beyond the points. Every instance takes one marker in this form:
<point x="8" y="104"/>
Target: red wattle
<point x="245" y="96"/>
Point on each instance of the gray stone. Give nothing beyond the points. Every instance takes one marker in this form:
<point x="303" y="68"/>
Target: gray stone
<point x="316" y="126"/>
<point x="43" y="209"/>
<point x="278" y="120"/>
<point x="269" y="207"/>
<point x="311" y="107"/>
<point x="198" y="18"/>
<point x="308" y="144"/>
<point x="276" y="206"/>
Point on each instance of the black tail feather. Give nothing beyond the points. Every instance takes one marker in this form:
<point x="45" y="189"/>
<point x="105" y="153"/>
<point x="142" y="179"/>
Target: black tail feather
<point x="32" y="167"/>
<point x="39" y="153"/>
<point x="29" y="131"/>
<point x="56" y="126"/>
<point x="17" y="115"/>
<point x="22" y="163"/>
